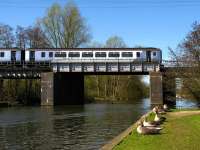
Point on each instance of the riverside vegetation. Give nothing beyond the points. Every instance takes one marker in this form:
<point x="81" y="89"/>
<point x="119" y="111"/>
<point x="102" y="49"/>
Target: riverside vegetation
<point x="104" y="88"/>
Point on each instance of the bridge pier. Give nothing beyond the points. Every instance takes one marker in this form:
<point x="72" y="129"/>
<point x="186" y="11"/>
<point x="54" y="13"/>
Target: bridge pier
<point x="156" y="88"/>
<point x="62" y="89"/>
<point x="47" y="89"/>
<point x="162" y="88"/>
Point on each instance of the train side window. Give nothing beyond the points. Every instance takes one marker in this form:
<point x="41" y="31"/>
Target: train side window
<point x="74" y="54"/>
<point x="43" y="54"/>
<point x="127" y="54"/>
<point x="87" y="54"/>
<point x="1" y="54"/>
<point x="138" y="54"/>
<point x="100" y="54"/>
<point x="154" y="53"/>
<point x="62" y="54"/>
<point x="113" y="54"/>
<point x="50" y="54"/>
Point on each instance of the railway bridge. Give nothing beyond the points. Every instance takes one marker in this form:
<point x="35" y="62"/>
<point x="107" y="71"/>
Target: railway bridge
<point x="62" y="82"/>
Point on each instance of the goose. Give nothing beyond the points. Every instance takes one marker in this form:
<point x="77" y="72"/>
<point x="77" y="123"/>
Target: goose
<point x="147" y="130"/>
<point x="159" y="119"/>
<point x="159" y="110"/>
<point x="150" y="123"/>
<point x="165" y="107"/>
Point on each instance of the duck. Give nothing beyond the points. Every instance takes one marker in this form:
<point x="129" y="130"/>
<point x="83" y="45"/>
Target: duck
<point x="150" y="123"/>
<point x="159" y="119"/>
<point x="158" y="110"/>
<point x="147" y="130"/>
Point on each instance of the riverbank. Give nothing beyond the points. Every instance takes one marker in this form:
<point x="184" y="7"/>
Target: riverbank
<point x="181" y="131"/>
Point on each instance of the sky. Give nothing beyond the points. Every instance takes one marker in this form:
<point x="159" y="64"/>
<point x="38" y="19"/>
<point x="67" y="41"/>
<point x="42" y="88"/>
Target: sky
<point x="148" y="23"/>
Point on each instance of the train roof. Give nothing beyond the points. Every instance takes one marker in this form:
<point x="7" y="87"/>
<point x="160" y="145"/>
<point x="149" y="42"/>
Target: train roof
<point x="96" y="49"/>
<point x="10" y="49"/>
<point x="85" y="49"/>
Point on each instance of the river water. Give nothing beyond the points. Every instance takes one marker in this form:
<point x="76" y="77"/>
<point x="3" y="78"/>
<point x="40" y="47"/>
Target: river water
<point x="85" y="127"/>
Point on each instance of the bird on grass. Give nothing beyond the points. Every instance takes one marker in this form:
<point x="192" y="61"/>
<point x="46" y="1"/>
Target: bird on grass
<point x="150" y="123"/>
<point x="159" y="119"/>
<point x="141" y="129"/>
<point x="159" y="110"/>
<point x="165" y="107"/>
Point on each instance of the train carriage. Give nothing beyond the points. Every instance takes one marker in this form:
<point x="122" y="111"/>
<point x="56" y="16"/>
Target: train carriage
<point x="10" y="55"/>
<point x="94" y="54"/>
<point x="86" y="55"/>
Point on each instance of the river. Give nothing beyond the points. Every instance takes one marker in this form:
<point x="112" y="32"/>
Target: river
<point x="85" y="127"/>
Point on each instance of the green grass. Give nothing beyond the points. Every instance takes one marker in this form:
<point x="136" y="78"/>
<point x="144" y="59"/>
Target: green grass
<point x="184" y="109"/>
<point x="182" y="133"/>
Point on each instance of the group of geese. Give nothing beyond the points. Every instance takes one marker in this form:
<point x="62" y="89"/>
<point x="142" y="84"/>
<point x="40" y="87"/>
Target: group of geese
<point x="153" y="127"/>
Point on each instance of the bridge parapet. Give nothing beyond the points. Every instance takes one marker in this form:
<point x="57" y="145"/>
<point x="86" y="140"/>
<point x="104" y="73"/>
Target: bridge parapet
<point x="23" y="70"/>
<point x="177" y="64"/>
<point x="105" y="66"/>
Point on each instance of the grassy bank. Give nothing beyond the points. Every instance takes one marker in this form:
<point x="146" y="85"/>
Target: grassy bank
<point x="181" y="132"/>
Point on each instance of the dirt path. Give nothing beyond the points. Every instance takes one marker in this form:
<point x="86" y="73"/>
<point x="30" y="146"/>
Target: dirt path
<point x="183" y="113"/>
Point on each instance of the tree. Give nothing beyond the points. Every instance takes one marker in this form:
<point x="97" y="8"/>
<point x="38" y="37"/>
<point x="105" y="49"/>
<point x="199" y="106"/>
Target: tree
<point x="36" y="37"/>
<point x="31" y="37"/>
<point x="6" y="36"/>
<point x="64" y="27"/>
<point x="115" y="42"/>
<point x="188" y="53"/>
<point x="21" y="37"/>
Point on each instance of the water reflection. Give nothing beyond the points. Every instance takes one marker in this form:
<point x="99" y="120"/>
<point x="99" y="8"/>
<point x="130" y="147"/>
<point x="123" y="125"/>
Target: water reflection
<point x="69" y="127"/>
<point x="182" y="103"/>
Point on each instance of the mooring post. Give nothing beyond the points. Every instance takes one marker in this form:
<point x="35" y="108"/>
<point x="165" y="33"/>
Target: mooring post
<point x="156" y="88"/>
<point x="47" y="89"/>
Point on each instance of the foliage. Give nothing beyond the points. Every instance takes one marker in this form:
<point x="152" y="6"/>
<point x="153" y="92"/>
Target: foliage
<point x="64" y="27"/>
<point x="30" y="37"/>
<point x="114" y="87"/>
<point x="188" y="53"/>
<point x="115" y="42"/>
<point x="25" y="92"/>
<point x="6" y="36"/>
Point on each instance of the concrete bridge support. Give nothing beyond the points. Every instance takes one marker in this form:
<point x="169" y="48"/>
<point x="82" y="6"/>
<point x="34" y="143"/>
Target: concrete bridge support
<point x="47" y="89"/>
<point x="62" y="89"/>
<point x="156" y="88"/>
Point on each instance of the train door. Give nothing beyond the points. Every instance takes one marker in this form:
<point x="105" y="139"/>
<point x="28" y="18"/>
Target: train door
<point x="148" y="54"/>
<point x="13" y="55"/>
<point x="22" y="55"/>
<point x="32" y="55"/>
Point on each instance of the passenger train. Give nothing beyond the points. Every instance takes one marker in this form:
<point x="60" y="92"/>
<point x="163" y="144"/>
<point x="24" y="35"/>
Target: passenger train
<point x="53" y="54"/>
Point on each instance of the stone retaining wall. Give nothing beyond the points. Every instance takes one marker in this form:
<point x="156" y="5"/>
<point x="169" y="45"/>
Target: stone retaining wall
<point x="118" y="139"/>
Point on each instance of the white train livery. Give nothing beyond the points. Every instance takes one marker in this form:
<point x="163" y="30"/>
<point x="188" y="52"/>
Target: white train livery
<point x="70" y="54"/>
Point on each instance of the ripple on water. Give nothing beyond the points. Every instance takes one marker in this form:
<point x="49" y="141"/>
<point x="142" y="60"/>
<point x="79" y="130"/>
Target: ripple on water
<point x="69" y="127"/>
